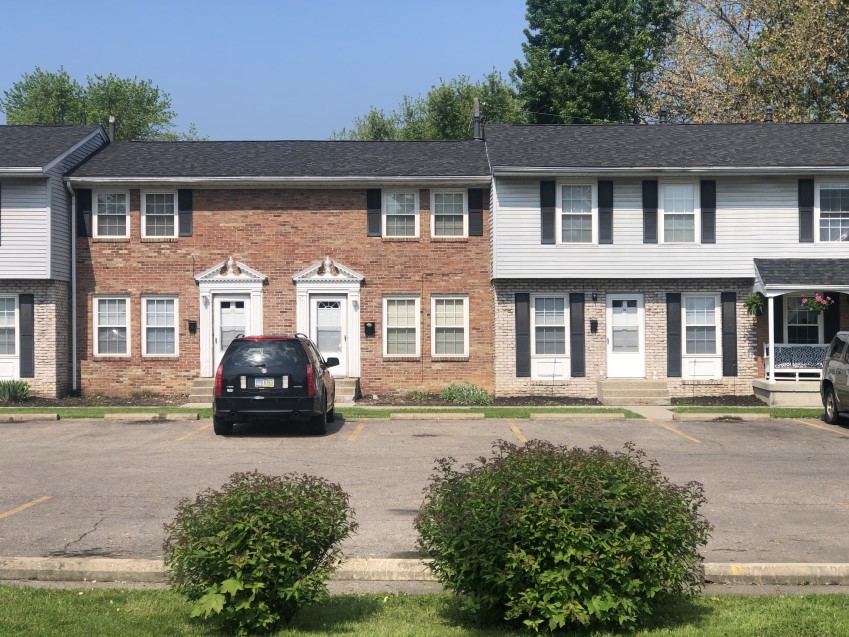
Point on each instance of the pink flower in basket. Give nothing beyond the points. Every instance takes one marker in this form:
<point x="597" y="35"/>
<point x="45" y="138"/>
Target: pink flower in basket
<point x="819" y="303"/>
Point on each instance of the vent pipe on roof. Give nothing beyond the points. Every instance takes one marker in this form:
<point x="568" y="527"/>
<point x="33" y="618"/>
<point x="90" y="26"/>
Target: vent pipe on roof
<point x="768" y="114"/>
<point x="476" y="118"/>
<point x="111" y="128"/>
<point x="664" y="115"/>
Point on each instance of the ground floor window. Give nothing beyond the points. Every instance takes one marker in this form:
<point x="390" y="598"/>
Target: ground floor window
<point x="159" y="326"/>
<point x="700" y="320"/>
<point x="803" y="326"/>
<point x="548" y="324"/>
<point x="8" y="326"/>
<point x="450" y="326"/>
<point x="111" y="326"/>
<point x="401" y="326"/>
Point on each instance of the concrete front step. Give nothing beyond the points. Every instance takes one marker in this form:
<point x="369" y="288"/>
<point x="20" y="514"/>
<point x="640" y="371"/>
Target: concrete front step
<point x="633" y="392"/>
<point x="633" y="384"/>
<point x="630" y="400"/>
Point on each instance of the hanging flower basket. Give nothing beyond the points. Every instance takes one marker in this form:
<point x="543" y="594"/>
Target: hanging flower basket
<point x="755" y="303"/>
<point x="817" y="303"/>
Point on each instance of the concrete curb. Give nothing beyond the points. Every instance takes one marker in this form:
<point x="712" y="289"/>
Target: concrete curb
<point x="541" y="415"/>
<point x="49" y="569"/>
<point x="27" y="417"/>
<point x="149" y="417"/>
<point x="714" y="417"/>
<point x="436" y="416"/>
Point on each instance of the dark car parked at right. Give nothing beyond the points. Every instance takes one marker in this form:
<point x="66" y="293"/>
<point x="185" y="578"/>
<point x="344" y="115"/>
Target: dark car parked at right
<point x="273" y="378"/>
<point x="834" y="386"/>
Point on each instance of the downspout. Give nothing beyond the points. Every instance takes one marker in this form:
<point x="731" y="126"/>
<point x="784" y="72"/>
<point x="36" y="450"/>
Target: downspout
<point x="72" y="217"/>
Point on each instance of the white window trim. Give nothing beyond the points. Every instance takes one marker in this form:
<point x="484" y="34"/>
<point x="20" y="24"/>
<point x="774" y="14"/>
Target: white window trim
<point x="94" y="312"/>
<point x="144" y="195"/>
<point x="449" y="297"/>
<point x="143" y="321"/>
<point x="559" y="211"/>
<point x="17" y="353"/>
<point x="817" y="186"/>
<point x="697" y="212"/>
<point x="716" y="357"/>
<point x="96" y="234"/>
<point x="465" y="195"/>
<point x="566" y="317"/>
<point x="384" y="213"/>
<point x="406" y="297"/>
<point x="786" y="326"/>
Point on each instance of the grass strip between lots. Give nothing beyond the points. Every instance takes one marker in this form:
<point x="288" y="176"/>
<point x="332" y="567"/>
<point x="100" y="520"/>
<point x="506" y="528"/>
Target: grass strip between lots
<point x="37" y="612"/>
<point x="774" y="412"/>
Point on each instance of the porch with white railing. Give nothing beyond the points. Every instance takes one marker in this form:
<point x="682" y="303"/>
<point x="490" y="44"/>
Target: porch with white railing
<point x="794" y="362"/>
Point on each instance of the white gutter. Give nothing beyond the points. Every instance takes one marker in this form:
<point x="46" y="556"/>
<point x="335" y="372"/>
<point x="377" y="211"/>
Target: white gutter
<point x="73" y="218"/>
<point x="34" y="171"/>
<point x="522" y="171"/>
<point x="284" y="181"/>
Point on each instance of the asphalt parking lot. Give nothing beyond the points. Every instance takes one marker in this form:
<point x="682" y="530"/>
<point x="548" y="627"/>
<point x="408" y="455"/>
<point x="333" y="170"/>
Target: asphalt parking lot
<point x="778" y="490"/>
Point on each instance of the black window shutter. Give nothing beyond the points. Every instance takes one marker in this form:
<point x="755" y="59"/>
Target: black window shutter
<point x="475" y="212"/>
<point x="373" y="205"/>
<point x="576" y="334"/>
<point x="605" y="212"/>
<point x="650" y="211"/>
<point x="729" y="333"/>
<point x="831" y="317"/>
<point x="778" y="318"/>
<point x="806" y="211"/>
<point x="84" y="228"/>
<point x="673" y="334"/>
<point x="546" y="203"/>
<point x="707" y="194"/>
<point x="26" y="316"/>
<point x="523" y="335"/>
<point x="184" y="206"/>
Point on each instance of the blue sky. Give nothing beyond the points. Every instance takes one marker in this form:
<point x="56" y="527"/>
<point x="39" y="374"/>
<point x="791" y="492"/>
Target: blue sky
<point x="262" y="69"/>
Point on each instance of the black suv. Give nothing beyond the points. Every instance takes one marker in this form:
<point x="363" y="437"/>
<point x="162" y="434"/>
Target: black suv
<point x="272" y="378"/>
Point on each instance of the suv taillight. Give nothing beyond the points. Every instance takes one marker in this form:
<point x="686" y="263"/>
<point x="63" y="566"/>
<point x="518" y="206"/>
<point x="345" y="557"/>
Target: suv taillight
<point x="219" y="379"/>
<point x="310" y="380"/>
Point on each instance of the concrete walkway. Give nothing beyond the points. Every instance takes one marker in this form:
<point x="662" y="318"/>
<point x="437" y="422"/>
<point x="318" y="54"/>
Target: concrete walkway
<point x="652" y="412"/>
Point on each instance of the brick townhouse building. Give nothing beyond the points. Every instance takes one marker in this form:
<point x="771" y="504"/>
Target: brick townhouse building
<point x="379" y="251"/>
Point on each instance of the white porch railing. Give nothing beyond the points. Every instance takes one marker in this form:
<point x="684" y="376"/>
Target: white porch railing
<point x="796" y="362"/>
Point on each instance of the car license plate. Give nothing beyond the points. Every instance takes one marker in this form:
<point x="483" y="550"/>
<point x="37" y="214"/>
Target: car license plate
<point x="262" y="383"/>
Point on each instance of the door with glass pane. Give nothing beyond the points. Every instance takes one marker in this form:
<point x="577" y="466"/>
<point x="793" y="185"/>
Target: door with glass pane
<point x="230" y="319"/>
<point x="328" y="329"/>
<point x="626" y="357"/>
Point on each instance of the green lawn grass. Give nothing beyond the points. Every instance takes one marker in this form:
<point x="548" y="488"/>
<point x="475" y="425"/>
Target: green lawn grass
<point x="104" y="612"/>
<point x="774" y="412"/>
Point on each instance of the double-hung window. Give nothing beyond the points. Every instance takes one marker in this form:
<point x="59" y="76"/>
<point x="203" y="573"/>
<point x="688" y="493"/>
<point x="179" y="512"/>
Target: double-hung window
<point x="8" y="326"/>
<point x="111" y="326"/>
<point x="400" y="214"/>
<point x="449" y="214"/>
<point x="700" y="324"/>
<point x="111" y="212"/>
<point x="549" y="325"/>
<point x="576" y="213"/>
<point x="159" y="214"/>
<point x="401" y="326"/>
<point x="834" y="212"/>
<point x="159" y="326"/>
<point x="679" y="212"/>
<point x="450" y="326"/>
<point x="803" y="326"/>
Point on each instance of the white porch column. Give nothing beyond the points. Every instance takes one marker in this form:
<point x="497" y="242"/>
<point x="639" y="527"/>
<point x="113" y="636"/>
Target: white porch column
<point x="771" y="306"/>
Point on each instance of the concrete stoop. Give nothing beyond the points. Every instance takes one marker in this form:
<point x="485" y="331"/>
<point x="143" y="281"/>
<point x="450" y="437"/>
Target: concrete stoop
<point x="633" y="392"/>
<point x="347" y="390"/>
<point x="202" y="389"/>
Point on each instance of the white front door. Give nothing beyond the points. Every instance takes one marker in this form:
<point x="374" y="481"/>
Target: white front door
<point x="626" y="341"/>
<point x="328" y="329"/>
<point x="230" y="318"/>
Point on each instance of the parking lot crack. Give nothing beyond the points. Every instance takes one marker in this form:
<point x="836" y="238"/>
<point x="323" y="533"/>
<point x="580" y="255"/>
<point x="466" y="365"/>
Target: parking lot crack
<point x="83" y="536"/>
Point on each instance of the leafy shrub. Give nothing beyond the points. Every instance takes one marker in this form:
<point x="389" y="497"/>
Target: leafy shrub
<point x="252" y="554"/>
<point x="14" y="390"/>
<point x="466" y="394"/>
<point x="557" y="537"/>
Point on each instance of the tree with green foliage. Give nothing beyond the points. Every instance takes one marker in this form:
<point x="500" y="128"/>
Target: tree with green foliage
<point x="444" y="113"/>
<point x="591" y="61"/>
<point x="142" y="110"/>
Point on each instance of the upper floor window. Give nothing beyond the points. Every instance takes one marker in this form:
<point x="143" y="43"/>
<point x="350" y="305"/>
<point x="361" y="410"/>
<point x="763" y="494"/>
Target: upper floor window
<point x="400" y="214"/>
<point x="576" y="207"/>
<point x="834" y="212"/>
<point x="678" y="202"/>
<point x="159" y="214"/>
<point x="449" y="214"/>
<point x="111" y="326"/>
<point x="111" y="211"/>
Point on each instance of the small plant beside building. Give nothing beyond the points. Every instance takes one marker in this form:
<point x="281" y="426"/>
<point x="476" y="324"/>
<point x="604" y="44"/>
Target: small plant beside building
<point x="252" y="554"/>
<point x="13" y="391"/>
<point x="556" y="537"/>
<point x="466" y="394"/>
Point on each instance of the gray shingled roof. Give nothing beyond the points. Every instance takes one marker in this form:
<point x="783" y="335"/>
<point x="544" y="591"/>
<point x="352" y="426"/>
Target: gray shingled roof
<point x="36" y="146"/>
<point x="287" y="159"/>
<point x="669" y="146"/>
<point x="819" y="273"/>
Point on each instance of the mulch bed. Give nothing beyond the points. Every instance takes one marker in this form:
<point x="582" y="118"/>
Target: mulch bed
<point x="141" y="400"/>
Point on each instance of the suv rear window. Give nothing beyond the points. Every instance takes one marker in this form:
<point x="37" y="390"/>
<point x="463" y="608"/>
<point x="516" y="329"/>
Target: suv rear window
<point x="836" y="348"/>
<point x="266" y="353"/>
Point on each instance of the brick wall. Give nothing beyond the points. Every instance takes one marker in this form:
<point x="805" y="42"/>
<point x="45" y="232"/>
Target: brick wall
<point x="52" y="334"/>
<point x="654" y="296"/>
<point x="280" y="232"/>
